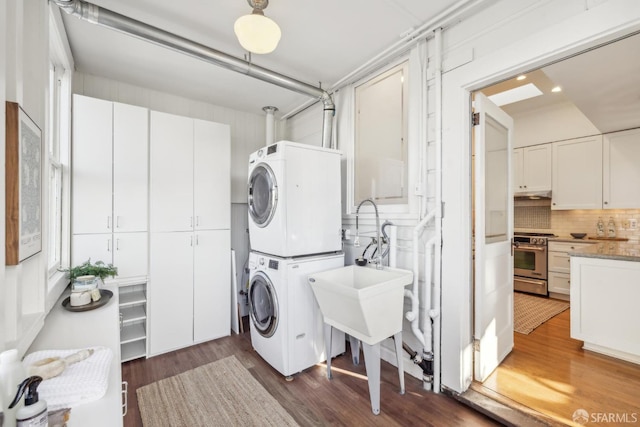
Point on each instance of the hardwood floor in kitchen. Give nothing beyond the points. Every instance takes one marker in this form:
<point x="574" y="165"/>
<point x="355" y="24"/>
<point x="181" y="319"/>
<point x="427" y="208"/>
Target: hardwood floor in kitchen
<point x="550" y="373"/>
<point x="310" y="398"/>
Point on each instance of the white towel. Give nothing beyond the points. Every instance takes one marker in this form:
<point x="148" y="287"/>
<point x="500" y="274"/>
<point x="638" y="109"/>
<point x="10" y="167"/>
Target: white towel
<point x="79" y="383"/>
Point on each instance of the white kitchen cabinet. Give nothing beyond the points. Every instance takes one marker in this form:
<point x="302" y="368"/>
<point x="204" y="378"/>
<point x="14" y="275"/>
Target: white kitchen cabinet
<point x="559" y="266"/>
<point x="577" y="173"/>
<point x="189" y="290"/>
<point x="190" y="278"/>
<point x="621" y="170"/>
<point x="532" y="169"/>
<point x="604" y="306"/>
<point x="126" y="251"/>
<point x="109" y="166"/>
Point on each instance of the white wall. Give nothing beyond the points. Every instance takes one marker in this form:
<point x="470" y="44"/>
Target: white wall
<point x="24" y="51"/>
<point x="554" y="123"/>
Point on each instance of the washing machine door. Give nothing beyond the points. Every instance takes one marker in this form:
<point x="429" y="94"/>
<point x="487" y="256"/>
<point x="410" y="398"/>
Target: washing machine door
<point x="263" y="305"/>
<point x="263" y="194"/>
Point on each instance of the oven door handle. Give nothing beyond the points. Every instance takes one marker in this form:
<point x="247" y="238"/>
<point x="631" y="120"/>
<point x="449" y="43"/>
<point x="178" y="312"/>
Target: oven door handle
<point x="530" y="281"/>
<point x="531" y="248"/>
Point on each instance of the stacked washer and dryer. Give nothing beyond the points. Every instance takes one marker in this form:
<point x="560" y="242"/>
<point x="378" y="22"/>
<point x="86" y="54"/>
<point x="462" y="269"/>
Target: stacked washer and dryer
<point x="294" y="230"/>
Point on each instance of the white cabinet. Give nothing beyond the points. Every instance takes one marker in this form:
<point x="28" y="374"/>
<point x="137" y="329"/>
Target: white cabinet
<point x="190" y="178"/>
<point x="110" y="185"/>
<point x="532" y="169"/>
<point x="621" y="170"/>
<point x="604" y="306"/>
<point x="577" y="173"/>
<point x="559" y="266"/>
<point x="190" y="249"/>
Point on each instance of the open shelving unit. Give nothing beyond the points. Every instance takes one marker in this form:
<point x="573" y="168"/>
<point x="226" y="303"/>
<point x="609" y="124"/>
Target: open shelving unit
<point x="133" y="321"/>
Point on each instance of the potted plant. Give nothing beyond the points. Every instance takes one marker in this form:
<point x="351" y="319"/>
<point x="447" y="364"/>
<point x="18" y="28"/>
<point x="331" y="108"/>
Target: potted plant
<point x="88" y="274"/>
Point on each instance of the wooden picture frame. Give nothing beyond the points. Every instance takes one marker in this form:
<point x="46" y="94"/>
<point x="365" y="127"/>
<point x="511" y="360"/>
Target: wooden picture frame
<point x="23" y="185"/>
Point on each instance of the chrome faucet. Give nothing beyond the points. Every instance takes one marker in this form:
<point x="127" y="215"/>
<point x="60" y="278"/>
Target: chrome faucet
<point x="356" y="241"/>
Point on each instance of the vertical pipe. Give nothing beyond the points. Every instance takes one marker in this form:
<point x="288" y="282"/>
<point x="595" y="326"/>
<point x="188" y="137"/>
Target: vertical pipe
<point x="393" y="245"/>
<point x="438" y="252"/>
<point x="270" y="124"/>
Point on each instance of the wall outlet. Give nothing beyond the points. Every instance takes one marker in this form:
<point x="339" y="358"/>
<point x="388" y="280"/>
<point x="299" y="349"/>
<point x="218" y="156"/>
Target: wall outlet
<point x="624" y="225"/>
<point x="633" y="224"/>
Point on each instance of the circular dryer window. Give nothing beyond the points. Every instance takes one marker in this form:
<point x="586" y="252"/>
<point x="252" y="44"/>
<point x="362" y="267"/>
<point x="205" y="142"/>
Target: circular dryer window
<point x="263" y="305"/>
<point x="263" y="195"/>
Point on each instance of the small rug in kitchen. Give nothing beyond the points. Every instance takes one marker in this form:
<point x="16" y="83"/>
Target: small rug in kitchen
<point x="220" y="393"/>
<point x="530" y="311"/>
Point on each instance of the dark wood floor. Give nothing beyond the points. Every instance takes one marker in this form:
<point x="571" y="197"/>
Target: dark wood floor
<point x="310" y="398"/>
<point x="549" y="372"/>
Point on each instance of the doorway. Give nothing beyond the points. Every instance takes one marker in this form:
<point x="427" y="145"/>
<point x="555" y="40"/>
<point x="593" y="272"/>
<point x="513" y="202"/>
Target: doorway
<point x="548" y="371"/>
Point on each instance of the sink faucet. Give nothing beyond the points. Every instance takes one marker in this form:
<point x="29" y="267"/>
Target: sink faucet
<point x="356" y="241"/>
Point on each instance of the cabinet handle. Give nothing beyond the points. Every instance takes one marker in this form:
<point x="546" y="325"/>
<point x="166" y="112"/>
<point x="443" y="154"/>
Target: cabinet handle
<point x="554" y="203"/>
<point x="125" y="402"/>
<point x="197" y="220"/>
<point x="190" y="221"/>
<point x="108" y="245"/>
<point x="525" y="186"/>
<point x="108" y="222"/>
<point x="117" y="244"/>
<point x="606" y="203"/>
<point x="118" y="221"/>
<point x="191" y="241"/>
<point x="197" y="240"/>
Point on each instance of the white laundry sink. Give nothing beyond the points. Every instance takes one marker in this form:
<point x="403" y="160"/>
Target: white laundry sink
<point x="364" y="302"/>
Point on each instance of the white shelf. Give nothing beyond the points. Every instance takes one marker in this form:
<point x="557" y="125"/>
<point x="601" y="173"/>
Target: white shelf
<point x="133" y="314"/>
<point x="133" y="332"/>
<point x="133" y="350"/>
<point x="132" y="298"/>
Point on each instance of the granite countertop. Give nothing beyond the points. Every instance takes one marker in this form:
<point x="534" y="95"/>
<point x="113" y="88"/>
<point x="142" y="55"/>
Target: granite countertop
<point x="588" y="239"/>
<point x="622" y="251"/>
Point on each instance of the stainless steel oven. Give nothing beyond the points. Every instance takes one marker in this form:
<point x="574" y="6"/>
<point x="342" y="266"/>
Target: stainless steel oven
<point x="530" y="263"/>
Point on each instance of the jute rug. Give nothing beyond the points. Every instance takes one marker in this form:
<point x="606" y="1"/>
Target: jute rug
<point x="222" y="393"/>
<point x="530" y="311"/>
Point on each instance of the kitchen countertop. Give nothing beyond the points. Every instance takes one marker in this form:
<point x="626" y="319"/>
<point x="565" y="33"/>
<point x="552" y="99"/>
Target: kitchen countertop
<point x="570" y="239"/>
<point x="622" y="251"/>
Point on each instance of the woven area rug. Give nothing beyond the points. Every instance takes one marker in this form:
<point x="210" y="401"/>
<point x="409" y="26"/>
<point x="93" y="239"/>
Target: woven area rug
<point x="222" y="393"/>
<point x="530" y="311"/>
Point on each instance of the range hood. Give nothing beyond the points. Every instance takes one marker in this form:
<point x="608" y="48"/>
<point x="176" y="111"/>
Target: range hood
<point x="532" y="195"/>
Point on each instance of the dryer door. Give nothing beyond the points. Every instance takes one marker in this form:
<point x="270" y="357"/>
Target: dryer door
<point x="263" y="305"/>
<point x="263" y="194"/>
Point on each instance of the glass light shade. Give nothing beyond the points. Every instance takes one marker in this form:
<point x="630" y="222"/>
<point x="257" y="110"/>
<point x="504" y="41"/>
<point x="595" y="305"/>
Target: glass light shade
<point x="257" y="33"/>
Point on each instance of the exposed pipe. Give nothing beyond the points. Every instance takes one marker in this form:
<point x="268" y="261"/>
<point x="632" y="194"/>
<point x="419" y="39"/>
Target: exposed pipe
<point x="109" y="19"/>
<point x="270" y="124"/>
<point x="435" y="313"/>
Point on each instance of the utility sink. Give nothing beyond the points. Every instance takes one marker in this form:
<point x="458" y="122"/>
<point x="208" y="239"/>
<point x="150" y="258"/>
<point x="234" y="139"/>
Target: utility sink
<point x="364" y="302"/>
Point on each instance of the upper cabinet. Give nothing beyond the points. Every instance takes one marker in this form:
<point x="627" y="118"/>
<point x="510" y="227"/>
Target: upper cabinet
<point x="109" y="173"/>
<point x="577" y="173"/>
<point x="532" y="169"/>
<point x="190" y="185"/>
<point x="621" y="170"/>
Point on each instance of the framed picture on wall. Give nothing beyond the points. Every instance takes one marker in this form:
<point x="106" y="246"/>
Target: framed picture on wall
<point x="23" y="185"/>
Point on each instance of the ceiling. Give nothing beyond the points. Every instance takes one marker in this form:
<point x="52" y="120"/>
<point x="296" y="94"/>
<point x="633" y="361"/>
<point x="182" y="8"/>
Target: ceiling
<point x="322" y="42"/>
<point x="603" y="83"/>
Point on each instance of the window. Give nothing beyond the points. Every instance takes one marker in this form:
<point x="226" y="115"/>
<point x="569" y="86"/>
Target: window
<point x="380" y="155"/>
<point x="55" y="170"/>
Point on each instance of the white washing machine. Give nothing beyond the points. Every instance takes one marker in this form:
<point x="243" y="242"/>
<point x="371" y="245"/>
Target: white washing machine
<point x="286" y="322"/>
<point x="294" y="200"/>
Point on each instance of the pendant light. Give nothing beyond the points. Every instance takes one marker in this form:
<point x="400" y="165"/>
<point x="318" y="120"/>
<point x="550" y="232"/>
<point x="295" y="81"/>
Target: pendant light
<point x="257" y="33"/>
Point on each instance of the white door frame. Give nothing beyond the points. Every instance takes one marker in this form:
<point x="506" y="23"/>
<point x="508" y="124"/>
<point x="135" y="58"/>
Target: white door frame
<point x="604" y="23"/>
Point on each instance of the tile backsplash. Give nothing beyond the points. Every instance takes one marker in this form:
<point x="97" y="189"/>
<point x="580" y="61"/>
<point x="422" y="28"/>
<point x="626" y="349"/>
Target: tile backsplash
<point x="577" y="221"/>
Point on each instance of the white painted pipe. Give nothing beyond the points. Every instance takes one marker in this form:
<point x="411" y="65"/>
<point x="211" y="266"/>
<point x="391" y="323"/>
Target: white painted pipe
<point x="270" y="124"/>
<point x="438" y="260"/>
<point x="393" y="245"/>
<point x="426" y="326"/>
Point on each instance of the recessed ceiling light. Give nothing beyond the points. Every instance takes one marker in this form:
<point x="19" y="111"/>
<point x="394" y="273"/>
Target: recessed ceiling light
<point x="556" y="89"/>
<point x="519" y="93"/>
<point x="521" y="77"/>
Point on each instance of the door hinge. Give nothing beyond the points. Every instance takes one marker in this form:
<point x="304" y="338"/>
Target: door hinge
<point x="476" y="344"/>
<point x="475" y="119"/>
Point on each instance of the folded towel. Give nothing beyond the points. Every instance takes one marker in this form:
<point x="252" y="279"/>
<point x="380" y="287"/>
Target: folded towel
<point x="79" y="383"/>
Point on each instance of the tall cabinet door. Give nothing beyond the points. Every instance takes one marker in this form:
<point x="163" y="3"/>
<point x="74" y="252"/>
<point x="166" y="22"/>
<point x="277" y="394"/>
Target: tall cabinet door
<point x="212" y="175"/>
<point x="92" y="165"/>
<point x="621" y="162"/>
<point x="130" y="167"/>
<point x="97" y="247"/>
<point x="211" y="286"/>
<point x="170" y="292"/>
<point x="171" y="164"/>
